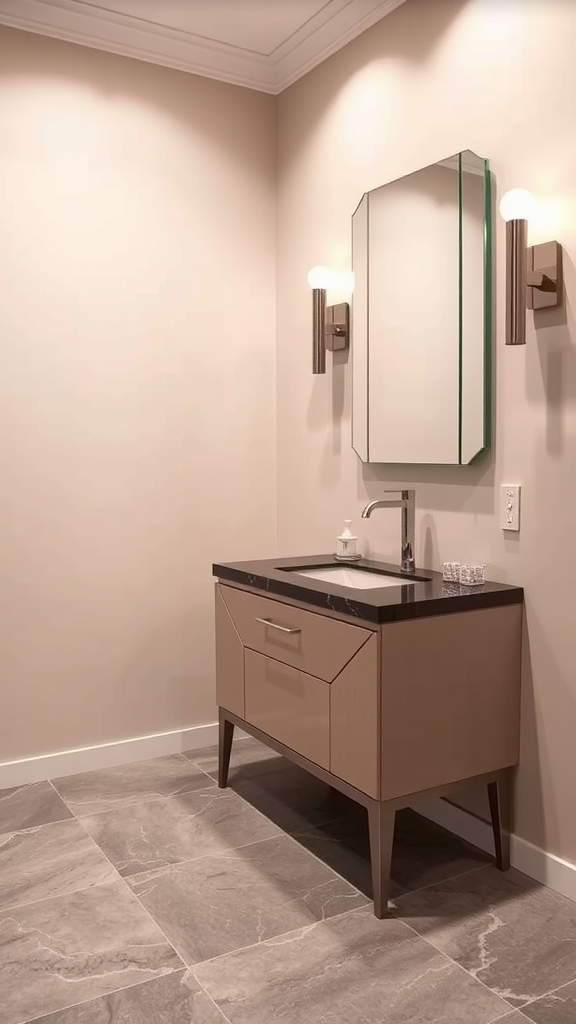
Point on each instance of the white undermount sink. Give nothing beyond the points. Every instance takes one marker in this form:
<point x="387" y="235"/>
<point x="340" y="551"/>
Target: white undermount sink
<point x="357" y="579"/>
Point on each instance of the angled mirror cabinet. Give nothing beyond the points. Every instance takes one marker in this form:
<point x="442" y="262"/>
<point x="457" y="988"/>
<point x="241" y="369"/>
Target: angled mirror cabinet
<point x="421" y="316"/>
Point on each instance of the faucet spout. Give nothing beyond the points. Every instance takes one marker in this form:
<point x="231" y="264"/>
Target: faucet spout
<point x="407" y="502"/>
<point x="379" y="503"/>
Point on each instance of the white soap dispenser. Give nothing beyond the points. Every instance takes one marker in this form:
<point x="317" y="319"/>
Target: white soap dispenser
<point x="346" y="545"/>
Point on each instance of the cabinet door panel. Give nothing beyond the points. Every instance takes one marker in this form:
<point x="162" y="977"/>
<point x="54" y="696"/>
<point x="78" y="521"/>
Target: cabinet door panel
<point x="289" y="705"/>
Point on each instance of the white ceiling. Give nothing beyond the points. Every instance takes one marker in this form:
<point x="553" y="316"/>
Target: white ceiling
<point x="262" y="44"/>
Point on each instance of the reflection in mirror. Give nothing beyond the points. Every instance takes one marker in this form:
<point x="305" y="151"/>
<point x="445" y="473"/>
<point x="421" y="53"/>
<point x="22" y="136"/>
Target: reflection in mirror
<point x="421" y="316"/>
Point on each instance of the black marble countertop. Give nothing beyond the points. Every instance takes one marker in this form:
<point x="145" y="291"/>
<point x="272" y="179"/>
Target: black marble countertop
<point x="425" y="594"/>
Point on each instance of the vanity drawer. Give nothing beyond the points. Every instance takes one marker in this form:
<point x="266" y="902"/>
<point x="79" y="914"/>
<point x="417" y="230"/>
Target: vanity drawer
<point x="288" y="705"/>
<point x="316" y="644"/>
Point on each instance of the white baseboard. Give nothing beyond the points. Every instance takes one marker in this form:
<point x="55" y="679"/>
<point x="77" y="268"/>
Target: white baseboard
<point x="544" y="867"/>
<point x="105" y="755"/>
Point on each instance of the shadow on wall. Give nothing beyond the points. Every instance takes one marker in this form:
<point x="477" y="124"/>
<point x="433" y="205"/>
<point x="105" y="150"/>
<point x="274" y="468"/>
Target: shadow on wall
<point x="330" y="422"/>
<point x="421" y="26"/>
<point x="441" y="488"/>
<point x="553" y="361"/>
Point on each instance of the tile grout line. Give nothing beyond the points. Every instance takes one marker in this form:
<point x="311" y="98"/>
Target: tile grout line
<point x="91" y="999"/>
<point x="60" y="895"/>
<point x="430" y="885"/>
<point x="60" y="797"/>
<point x="145" y="800"/>
<point x="203" y="856"/>
<point x="33" y="828"/>
<point x="504" y="1015"/>
<point x="156" y="925"/>
<point x="320" y="861"/>
<point x="148" y="914"/>
<point x="282" y="834"/>
<point x="122" y="988"/>
<point x="512" y="1008"/>
<point x="544" y="995"/>
<point x="409" y="892"/>
<point x="201" y="751"/>
<point x="257" y="774"/>
<point x="192" y="967"/>
<point x="466" y="972"/>
<point x="206" y="992"/>
<point x="68" y="892"/>
<point x="30" y="828"/>
<point x="188" y="760"/>
<point x="273" y="938"/>
<point x="301" y="831"/>
<point x="131" y="803"/>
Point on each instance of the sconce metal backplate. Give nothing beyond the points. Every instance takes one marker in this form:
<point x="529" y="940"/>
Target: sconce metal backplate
<point x="544" y="278"/>
<point x="337" y="327"/>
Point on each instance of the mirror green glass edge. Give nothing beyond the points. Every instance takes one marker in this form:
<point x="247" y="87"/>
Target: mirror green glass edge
<point x="487" y="308"/>
<point x="488" y="314"/>
<point x="487" y="311"/>
<point x="460" y="305"/>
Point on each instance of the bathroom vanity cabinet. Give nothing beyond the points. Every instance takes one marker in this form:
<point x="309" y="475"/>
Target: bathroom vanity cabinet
<point x="387" y="695"/>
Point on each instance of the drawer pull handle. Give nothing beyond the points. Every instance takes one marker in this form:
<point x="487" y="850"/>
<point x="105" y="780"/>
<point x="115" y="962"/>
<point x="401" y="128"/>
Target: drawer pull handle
<point x="275" y="625"/>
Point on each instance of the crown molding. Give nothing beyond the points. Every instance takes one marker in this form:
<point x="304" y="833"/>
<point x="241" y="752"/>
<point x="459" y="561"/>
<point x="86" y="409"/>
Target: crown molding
<point x="78" y="21"/>
<point x="314" y="43"/>
<point x="130" y="37"/>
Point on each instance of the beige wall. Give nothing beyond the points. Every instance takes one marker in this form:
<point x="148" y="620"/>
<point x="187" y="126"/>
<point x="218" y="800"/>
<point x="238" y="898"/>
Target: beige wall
<point x="137" y="398"/>
<point x="431" y="79"/>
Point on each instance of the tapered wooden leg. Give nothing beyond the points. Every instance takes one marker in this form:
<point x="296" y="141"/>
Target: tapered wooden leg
<point x="499" y="799"/>
<point x="381" y="826"/>
<point x="225" y="737"/>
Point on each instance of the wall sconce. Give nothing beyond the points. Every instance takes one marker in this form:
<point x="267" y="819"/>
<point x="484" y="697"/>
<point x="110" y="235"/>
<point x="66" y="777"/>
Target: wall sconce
<point x="533" y="274"/>
<point x="330" y="324"/>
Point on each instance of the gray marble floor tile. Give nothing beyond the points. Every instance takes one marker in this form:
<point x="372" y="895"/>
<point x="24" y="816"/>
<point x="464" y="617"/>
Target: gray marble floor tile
<point x="160" y="832"/>
<point x="29" y="806"/>
<point x="512" y="1018"/>
<point x="213" y="905"/>
<point x="173" y="999"/>
<point x="423" y="853"/>
<point x="249" y="758"/>
<point x="558" y="1007"/>
<point x="515" y="936"/>
<point x="72" y="948"/>
<point x="49" y="861"/>
<point x="349" y="970"/>
<point x="293" y="798"/>
<point x="91" y="792"/>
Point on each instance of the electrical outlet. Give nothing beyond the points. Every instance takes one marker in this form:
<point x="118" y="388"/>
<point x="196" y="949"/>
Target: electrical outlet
<point x="510" y="507"/>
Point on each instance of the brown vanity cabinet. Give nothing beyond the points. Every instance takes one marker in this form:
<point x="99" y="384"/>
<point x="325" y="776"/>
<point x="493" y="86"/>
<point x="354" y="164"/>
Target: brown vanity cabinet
<point x="385" y="712"/>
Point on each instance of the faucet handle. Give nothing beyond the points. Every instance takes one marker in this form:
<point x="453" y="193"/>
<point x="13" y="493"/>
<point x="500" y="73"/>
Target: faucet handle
<point x="407" y="494"/>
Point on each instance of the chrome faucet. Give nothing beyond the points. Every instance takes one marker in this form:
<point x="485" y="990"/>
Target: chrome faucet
<point x="407" y="502"/>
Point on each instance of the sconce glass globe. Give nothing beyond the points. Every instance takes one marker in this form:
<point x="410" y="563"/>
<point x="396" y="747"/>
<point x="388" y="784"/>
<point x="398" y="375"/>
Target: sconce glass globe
<point x="517" y="204"/>
<point x="319" y="277"/>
